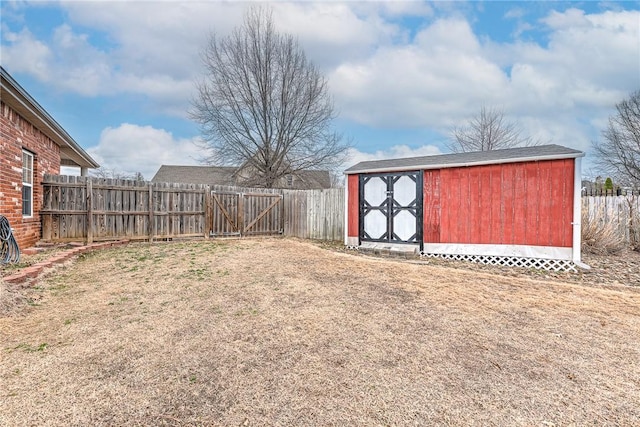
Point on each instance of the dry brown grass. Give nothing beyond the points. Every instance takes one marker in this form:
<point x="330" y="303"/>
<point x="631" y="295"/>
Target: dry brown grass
<point x="599" y="236"/>
<point x="281" y="332"/>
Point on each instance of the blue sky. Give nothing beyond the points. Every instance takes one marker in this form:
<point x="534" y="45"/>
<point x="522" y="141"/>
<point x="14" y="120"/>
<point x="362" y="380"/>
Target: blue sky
<point x="118" y="76"/>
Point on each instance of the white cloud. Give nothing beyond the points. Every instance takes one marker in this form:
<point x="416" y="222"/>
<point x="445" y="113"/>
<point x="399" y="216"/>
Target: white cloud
<point x="586" y="55"/>
<point x="429" y="83"/>
<point x="603" y="49"/>
<point x="446" y="73"/>
<point x="331" y="32"/>
<point x="72" y="64"/>
<point x="152" y="48"/>
<point x="395" y="152"/>
<point x="131" y="148"/>
<point x="380" y="75"/>
<point x="26" y="54"/>
<point x="400" y="8"/>
<point x="515" y="13"/>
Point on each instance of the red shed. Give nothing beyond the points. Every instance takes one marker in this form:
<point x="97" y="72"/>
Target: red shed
<point x="518" y="206"/>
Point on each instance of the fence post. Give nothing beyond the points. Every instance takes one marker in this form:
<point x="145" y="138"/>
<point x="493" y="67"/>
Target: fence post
<point x="151" y="214"/>
<point x="208" y="210"/>
<point x="47" y="219"/>
<point x="241" y="214"/>
<point x="282" y="212"/>
<point x="89" y="211"/>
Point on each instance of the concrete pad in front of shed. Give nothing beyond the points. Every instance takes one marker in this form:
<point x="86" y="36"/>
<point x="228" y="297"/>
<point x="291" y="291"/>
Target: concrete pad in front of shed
<point x="393" y="249"/>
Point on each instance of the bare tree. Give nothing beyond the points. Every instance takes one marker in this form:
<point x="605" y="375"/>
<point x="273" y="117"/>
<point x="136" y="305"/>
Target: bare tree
<point x="618" y="153"/>
<point x="103" y="172"/>
<point x="263" y="105"/>
<point x="487" y="131"/>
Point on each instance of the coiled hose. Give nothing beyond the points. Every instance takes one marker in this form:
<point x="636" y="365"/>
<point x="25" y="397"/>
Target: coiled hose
<point x="9" y="250"/>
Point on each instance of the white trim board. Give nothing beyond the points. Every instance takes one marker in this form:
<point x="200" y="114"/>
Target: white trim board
<point x="577" y="212"/>
<point x="351" y="241"/>
<point x="347" y="240"/>
<point x="525" y="251"/>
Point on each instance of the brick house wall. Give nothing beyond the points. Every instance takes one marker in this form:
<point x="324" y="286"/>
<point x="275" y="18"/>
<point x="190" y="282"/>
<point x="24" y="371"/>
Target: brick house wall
<point x="17" y="134"/>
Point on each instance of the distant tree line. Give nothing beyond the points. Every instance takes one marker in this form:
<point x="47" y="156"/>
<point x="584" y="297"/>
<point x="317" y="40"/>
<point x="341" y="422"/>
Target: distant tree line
<point x="105" y="173"/>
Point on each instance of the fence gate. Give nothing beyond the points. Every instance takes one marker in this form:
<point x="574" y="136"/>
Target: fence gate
<point x="244" y="214"/>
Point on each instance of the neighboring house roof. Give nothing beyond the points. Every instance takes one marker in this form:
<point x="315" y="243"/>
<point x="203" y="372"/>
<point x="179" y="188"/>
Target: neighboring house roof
<point x="227" y="175"/>
<point x="314" y="179"/>
<point x="195" y="174"/>
<point x="476" y="158"/>
<point x="14" y="95"/>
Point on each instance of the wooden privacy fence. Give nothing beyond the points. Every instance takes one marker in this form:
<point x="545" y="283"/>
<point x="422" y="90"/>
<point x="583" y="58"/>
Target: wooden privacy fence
<point x="106" y="209"/>
<point x="243" y="214"/>
<point x="622" y="211"/>
<point x="314" y="214"/>
<point x="307" y="214"/>
<point x="86" y="208"/>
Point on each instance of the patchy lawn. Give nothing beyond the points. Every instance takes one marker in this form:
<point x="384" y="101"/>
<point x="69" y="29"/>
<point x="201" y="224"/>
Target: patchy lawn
<point x="283" y="332"/>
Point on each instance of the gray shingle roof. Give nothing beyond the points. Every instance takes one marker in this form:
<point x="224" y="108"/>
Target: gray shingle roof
<point x="313" y="179"/>
<point x="226" y="175"/>
<point x="195" y="174"/>
<point x="509" y="155"/>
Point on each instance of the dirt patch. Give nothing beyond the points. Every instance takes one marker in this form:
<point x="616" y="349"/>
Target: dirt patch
<point x="283" y="332"/>
<point x="14" y="297"/>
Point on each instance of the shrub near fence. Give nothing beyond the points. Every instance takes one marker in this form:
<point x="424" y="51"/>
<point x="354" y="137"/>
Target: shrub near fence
<point x="621" y="213"/>
<point x="87" y="208"/>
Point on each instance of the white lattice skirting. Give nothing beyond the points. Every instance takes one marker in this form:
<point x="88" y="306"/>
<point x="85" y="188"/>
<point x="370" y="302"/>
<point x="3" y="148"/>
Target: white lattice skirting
<point x="510" y="261"/>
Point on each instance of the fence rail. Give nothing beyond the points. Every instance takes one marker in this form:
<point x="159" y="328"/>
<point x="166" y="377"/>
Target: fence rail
<point x="105" y="209"/>
<point x="87" y="208"/>
<point x="610" y="192"/>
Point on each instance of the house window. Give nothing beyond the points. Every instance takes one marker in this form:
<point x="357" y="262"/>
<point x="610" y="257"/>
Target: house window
<point x="27" y="183"/>
<point x="289" y="179"/>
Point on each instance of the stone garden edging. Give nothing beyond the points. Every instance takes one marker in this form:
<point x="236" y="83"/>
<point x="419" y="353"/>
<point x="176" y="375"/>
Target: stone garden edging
<point x="34" y="271"/>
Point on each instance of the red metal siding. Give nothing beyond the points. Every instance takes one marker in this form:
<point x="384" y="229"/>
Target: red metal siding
<point x="431" y="206"/>
<point x="519" y="205"/>
<point x="475" y="198"/>
<point x="531" y="225"/>
<point x="464" y="229"/>
<point x="483" y="213"/>
<point x="515" y="204"/>
<point x="497" y="221"/>
<point x="548" y="223"/>
<point x="352" y="204"/>
<point x="510" y="200"/>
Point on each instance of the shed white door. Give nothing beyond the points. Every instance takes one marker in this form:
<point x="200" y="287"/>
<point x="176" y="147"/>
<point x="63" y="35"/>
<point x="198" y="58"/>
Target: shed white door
<point x="391" y="207"/>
